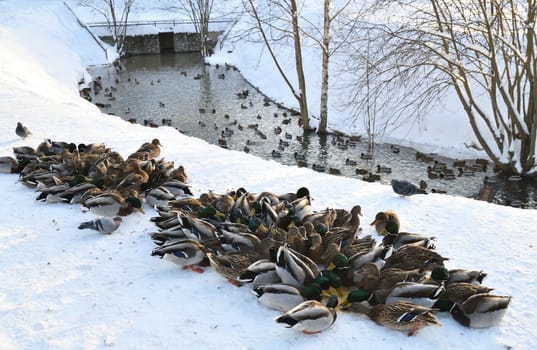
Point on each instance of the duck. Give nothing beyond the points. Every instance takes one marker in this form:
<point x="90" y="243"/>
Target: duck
<point x="457" y="293"/>
<point x="463" y="275"/>
<point x="294" y="268"/>
<point x="8" y="165"/>
<point x="184" y="252"/>
<point x="350" y="162"/>
<point x="159" y="196"/>
<point x="111" y="204"/>
<point x="400" y="315"/>
<point x="278" y="296"/>
<point x="103" y="224"/>
<point x="349" y="220"/>
<point x="366" y="156"/>
<point x="383" y="169"/>
<point x="262" y="271"/>
<point x="232" y="265"/>
<point x="177" y="187"/>
<point x="311" y="316"/>
<point x="382" y="218"/>
<point x="325" y="217"/>
<point x="410" y="257"/>
<point x="415" y="292"/>
<point x="398" y="239"/>
<point x="151" y="148"/>
<point x="482" y="310"/>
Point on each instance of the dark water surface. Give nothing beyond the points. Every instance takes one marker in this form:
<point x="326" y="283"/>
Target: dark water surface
<point x="210" y="102"/>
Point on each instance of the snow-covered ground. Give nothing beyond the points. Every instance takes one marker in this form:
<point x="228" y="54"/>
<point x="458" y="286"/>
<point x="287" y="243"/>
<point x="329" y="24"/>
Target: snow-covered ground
<point x="63" y="288"/>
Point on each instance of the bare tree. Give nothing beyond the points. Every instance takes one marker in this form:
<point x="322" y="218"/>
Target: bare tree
<point x="199" y="11"/>
<point x="482" y="49"/>
<point x="272" y="22"/>
<point x="116" y="15"/>
<point x="325" y="42"/>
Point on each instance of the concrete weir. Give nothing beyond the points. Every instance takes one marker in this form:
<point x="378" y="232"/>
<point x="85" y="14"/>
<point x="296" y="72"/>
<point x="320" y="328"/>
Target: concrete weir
<point x="164" y="42"/>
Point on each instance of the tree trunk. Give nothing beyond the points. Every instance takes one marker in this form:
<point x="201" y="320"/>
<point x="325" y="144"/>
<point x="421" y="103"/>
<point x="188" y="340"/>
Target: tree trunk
<point x="299" y="69"/>
<point x="323" y="122"/>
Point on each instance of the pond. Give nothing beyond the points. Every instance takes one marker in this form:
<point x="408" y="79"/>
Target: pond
<point x="217" y="104"/>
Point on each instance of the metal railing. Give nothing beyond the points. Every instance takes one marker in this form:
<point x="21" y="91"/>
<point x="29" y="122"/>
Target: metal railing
<point x="158" y="22"/>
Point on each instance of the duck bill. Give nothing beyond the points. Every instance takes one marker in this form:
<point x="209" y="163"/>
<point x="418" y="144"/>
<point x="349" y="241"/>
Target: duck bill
<point x="141" y="210"/>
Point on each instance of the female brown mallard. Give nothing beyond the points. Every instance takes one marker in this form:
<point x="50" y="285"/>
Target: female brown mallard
<point x="399" y="316"/>
<point x="232" y="265"/>
<point x="410" y="257"/>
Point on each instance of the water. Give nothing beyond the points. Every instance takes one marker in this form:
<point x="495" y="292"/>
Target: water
<point x="216" y="104"/>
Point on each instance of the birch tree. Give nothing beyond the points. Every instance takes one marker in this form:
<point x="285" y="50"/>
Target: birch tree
<point x="328" y="48"/>
<point x="484" y="50"/>
<point x="116" y="15"/>
<point x="277" y="21"/>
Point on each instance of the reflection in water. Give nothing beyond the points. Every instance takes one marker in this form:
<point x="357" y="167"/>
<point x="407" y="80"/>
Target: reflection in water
<point x="216" y="104"/>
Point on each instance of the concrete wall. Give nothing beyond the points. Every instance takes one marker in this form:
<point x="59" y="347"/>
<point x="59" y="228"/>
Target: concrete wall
<point x="149" y="43"/>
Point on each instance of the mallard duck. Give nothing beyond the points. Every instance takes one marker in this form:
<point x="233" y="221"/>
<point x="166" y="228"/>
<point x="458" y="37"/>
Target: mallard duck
<point x="457" y="293"/>
<point x="400" y="316"/>
<point x="152" y="149"/>
<point x="398" y="239"/>
<point x="8" y="165"/>
<point x="262" y="271"/>
<point x="310" y="316"/>
<point x="417" y="293"/>
<point x="410" y="257"/>
<point x="278" y="296"/>
<point x="390" y="276"/>
<point x="111" y="204"/>
<point x="375" y="254"/>
<point x="367" y="277"/>
<point x="232" y="265"/>
<point x="462" y="275"/>
<point x="481" y="310"/>
<point x="159" y="196"/>
<point x="22" y="131"/>
<point x="104" y="225"/>
<point x="178" y="188"/>
<point x="350" y="220"/>
<point x="294" y="268"/>
<point x="184" y="252"/>
<point x="300" y="208"/>
<point x="238" y="241"/>
<point x="325" y="217"/>
<point x="382" y="218"/>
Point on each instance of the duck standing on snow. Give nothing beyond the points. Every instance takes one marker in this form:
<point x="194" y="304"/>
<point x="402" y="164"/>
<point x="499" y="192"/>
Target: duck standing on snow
<point x="310" y="316"/>
<point x="22" y="131"/>
<point x="103" y="225"/>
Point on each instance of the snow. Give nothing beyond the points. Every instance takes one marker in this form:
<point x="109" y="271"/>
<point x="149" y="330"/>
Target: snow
<point x="64" y="288"/>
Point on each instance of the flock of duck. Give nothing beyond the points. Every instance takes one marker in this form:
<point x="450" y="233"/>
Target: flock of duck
<point x="308" y="264"/>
